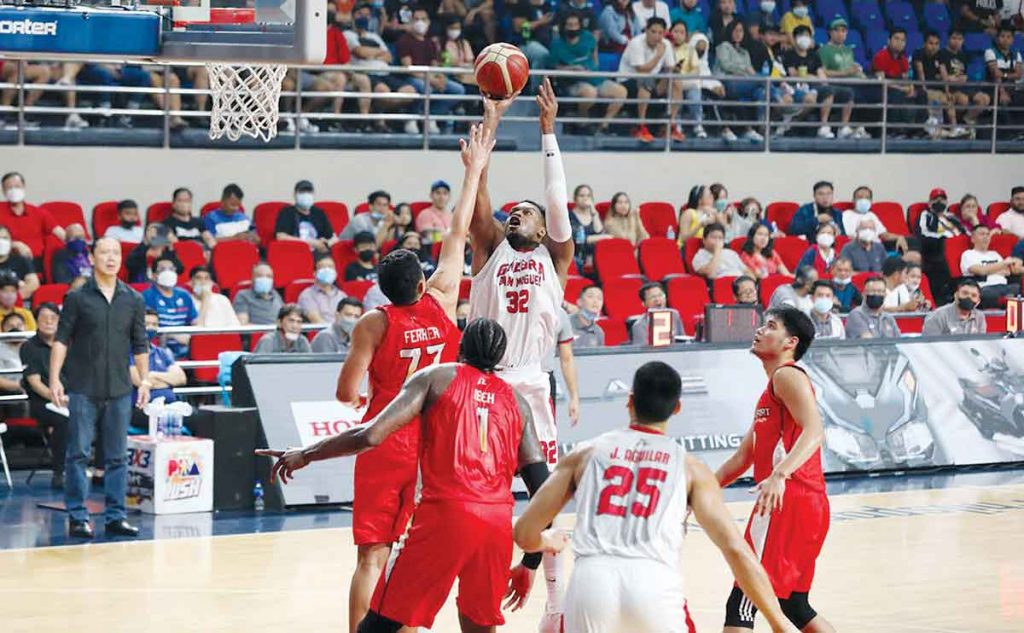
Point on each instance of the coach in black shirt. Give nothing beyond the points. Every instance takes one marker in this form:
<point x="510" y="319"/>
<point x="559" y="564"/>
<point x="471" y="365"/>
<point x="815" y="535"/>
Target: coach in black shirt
<point x="103" y="323"/>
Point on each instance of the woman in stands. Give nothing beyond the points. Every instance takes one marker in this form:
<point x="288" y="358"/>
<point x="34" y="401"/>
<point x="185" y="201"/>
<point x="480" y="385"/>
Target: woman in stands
<point x="395" y="225"/>
<point x="759" y="256"/>
<point x="587" y="228"/>
<point x="972" y="214"/>
<point x="699" y="212"/>
<point x="824" y="251"/>
<point x="624" y="221"/>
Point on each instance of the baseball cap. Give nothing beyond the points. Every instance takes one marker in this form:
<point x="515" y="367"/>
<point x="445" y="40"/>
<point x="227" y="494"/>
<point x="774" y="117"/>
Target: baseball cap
<point x="837" y="22"/>
<point x="303" y="185"/>
<point x="439" y="184"/>
<point x="937" y="192"/>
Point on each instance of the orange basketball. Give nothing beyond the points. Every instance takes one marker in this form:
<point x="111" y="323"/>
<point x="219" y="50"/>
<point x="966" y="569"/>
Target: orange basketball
<point x="501" y="70"/>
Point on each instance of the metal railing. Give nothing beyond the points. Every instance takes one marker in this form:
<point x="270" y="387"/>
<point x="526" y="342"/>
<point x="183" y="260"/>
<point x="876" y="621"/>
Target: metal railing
<point x="773" y="107"/>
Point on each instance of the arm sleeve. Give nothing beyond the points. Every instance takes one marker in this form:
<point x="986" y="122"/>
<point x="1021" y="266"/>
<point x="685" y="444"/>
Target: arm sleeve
<point x="555" y="194"/>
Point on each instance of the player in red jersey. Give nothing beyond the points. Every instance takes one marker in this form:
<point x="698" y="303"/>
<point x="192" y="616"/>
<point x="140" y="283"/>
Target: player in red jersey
<point x="790" y="519"/>
<point x="392" y="343"/>
<point x="476" y="432"/>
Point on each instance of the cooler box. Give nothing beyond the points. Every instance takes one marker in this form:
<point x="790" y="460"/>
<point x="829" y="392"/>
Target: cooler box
<point x="170" y="475"/>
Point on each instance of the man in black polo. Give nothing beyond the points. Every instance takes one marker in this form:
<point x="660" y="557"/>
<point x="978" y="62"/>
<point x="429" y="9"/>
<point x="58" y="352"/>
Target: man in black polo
<point x="35" y="355"/>
<point x="103" y="322"/>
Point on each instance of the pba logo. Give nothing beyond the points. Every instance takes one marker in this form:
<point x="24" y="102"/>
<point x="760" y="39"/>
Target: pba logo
<point x="27" y="27"/>
<point x="184" y="476"/>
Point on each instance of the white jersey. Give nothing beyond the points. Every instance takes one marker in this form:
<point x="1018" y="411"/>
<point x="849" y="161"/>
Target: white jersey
<point x="631" y="499"/>
<point x="520" y="290"/>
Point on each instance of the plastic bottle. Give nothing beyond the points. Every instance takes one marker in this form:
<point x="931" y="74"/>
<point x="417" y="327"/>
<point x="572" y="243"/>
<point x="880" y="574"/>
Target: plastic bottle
<point x="258" y="503"/>
<point x="671" y="233"/>
<point x="580" y="235"/>
<point x="526" y="31"/>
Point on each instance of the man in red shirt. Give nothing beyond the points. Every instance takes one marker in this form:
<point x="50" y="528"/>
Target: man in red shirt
<point x="415" y="48"/>
<point x="29" y="225"/>
<point x="891" y="62"/>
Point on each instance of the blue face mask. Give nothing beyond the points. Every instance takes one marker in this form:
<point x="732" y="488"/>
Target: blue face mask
<point x="263" y="285"/>
<point x="362" y="23"/>
<point x="78" y="246"/>
<point x="326" y="275"/>
<point x="151" y="334"/>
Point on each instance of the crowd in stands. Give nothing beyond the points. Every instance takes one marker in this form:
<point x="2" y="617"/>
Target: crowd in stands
<point x="950" y="44"/>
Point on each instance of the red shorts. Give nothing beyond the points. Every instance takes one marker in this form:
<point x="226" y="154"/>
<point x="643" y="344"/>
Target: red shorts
<point x="385" y="494"/>
<point x="789" y="540"/>
<point x="448" y="540"/>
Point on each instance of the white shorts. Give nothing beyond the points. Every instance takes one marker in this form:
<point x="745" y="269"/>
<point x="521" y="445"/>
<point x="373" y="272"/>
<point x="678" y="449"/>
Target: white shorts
<point x="609" y="594"/>
<point x="533" y="384"/>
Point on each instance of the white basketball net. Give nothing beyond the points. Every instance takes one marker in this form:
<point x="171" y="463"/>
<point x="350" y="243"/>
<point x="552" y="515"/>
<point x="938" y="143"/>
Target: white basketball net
<point x="245" y="100"/>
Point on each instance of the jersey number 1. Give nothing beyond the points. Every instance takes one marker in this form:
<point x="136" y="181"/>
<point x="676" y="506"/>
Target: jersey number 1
<point x="414" y="354"/>
<point x="518" y="301"/>
<point x="613" y="495"/>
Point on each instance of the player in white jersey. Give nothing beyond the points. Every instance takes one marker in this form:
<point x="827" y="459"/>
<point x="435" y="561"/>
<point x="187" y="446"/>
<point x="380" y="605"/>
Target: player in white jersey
<point x="519" y="275"/>
<point x="633" y="487"/>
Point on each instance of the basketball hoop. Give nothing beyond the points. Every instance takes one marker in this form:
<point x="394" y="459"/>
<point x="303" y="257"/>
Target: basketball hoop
<point x="245" y="99"/>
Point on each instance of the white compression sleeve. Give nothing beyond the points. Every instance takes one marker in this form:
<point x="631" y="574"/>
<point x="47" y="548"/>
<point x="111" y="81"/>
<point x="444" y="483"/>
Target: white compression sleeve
<point x="556" y="196"/>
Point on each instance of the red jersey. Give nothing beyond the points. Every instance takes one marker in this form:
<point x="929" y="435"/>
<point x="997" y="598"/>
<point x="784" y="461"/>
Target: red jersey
<point x="469" y="448"/>
<point x="775" y="433"/>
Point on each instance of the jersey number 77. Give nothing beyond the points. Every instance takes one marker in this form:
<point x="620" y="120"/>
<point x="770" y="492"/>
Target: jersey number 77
<point x="416" y="357"/>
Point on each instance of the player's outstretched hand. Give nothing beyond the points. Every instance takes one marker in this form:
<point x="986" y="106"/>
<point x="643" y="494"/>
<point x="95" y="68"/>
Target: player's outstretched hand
<point x="477" y="150"/>
<point x="548" y="107"/>
<point x="554" y="540"/>
<point x="520" y="581"/>
<point x="494" y="109"/>
<point x="769" y="494"/>
<point x="287" y="463"/>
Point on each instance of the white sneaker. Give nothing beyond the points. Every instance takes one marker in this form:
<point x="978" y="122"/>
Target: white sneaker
<point x="959" y="132"/>
<point x="825" y="131"/>
<point x="75" y="122"/>
<point x="411" y="127"/>
<point x="729" y="136"/>
<point x="550" y="622"/>
<point x="931" y="126"/>
<point x="846" y="131"/>
<point x="289" y="126"/>
<point x="700" y="132"/>
<point x="861" y="133"/>
<point x="308" y="127"/>
<point x="433" y="128"/>
<point x="753" y="136"/>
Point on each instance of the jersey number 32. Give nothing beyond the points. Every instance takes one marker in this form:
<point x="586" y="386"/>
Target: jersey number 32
<point x="620" y="483"/>
<point x="518" y="301"/>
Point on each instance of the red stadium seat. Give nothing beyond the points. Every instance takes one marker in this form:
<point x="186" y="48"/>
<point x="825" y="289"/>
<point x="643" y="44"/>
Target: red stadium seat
<point x="212" y="206"/>
<point x="364" y="207"/>
<point x="737" y="243"/>
<point x="690" y="249"/>
<point x="344" y="253"/>
<point x="955" y="247"/>
<point x="614" y="331"/>
<point x="688" y="294"/>
<point x="290" y="261"/>
<point x="996" y="209"/>
<point x="622" y="298"/>
<point x="614" y="257"/>
<point x="859" y="279"/>
<point x="292" y="290"/>
<point x="660" y="257"/>
<point x="915" y="211"/>
<point x="418" y="206"/>
<point x="791" y="249"/>
<point x="926" y="290"/>
<point x="841" y="241"/>
<point x="190" y="254"/>
<point x="50" y="246"/>
<point x="602" y="208"/>
<point x="892" y="216"/>
<point x="658" y="218"/>
<point x="574" y="286"/>
<point x="356" y="289"/>
<point x="781" y="213"/>
<point x="104" y="215"/>
<point x="722" y="291"/>
<point x="66" y="213"/>
<point x="1003" y="243"/>
<point x="337" y="214"/>
<point x="387" y="247"/>
<point x="769" y="284"/>
<point x="209" y="347"/>
<point x="158" y="212"/>
<point x="909" y="324"/>
<point x="509" y="205"/>
<point x="238" y="287"/>
<point x="50" y="292"/>
<point x="843" y="206"/>
<point x="995" y="323"/>
<point x="126" y="250"/>
<point x="465" y="285"/>
<point x="264" y="216"/>
<point x="233" y="261"/>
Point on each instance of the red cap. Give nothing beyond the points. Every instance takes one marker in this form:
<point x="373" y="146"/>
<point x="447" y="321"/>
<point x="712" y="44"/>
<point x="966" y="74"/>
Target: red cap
<point x="937" y="192"/>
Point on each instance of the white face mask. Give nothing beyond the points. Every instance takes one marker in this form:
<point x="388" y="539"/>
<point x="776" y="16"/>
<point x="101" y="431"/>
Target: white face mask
<point x="202" y="289"/>
<point x="866" y="235"/>
<point x="15" y="195"/>
<point x="841" y="282"/>
<point x="826" y="240"/>
<point x="804" y="42"/>
<point x="913" y="285"/>
<point x="291" y="336"/>
<point x="767" y="6"/>
<point x="304" y="199"/>
<point x="167" y="278"/>
<point x="420" y="27"/>
<point x="5" y="247"/>
<point x="863" y="205"/>
<point x="454" y="34"/>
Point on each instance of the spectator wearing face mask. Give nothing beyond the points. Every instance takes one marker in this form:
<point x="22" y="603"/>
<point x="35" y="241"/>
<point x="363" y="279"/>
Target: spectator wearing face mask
<point x="214" y="309"/>
<point x="824" y="252"/>
<point x="287" y="338"/>
<point x="827" y="323"/>
<point x="174" y="305"/>
<point x="725" y="210"/>
<point x="799" y="14"/>
<point x="155" y="243"/>
<point x="29" y="225"/>
<point x="337" y="338"/>
<point x="803" y="61"/>
<point x="797" y="294"/>
<point x="22" y="267"/>
<point x="744" y="290"/>
<point x="847" y="295"/>
<point x="749" y="214"/>
<point x="623" y="220"/>
<point x="863" y="199"/>
<point x="365" y="268"/>
<point x="319" y="302"/>
<point x="370" y="222"/>
<point x="72" y="261"/>
<point x="10" y="358"/>
<point x="128" y="227"/>
<point x="412" y="241"/>
<point x="715" y="259"/>
<point x="584" y="322"/>
<point x="758" y="254"/>
<point x="164" y="371"/>
<point x="654" y="298"/>
<point x="990" y="268"/>
<point x="936" y="224"/>
<point x="305" y="222"/>
<point x="259" y="304"/>
<point x="810" y="216"/>
<point x="961" y="317"/>
<point x="898" y="297"/>
<point x="1012" y="220"/>
<point x="869" y="320"/>
<point x="415" y="48"/>
<point x="9" y="300"/>
<point x="182" y="224"/>
<point x="866" y="252"/>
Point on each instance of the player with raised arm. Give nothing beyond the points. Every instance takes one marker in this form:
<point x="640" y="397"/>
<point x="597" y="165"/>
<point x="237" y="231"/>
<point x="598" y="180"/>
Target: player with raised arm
<point x="790" y="519"/>
<point x="476" y="432"/>
<point x="632" y="488"/>
<point x="519" y="274"/>
<point x="392" y="343"/>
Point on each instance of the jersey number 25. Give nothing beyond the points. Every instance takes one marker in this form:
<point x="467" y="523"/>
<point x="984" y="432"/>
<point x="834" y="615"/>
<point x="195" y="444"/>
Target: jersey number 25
<point x="620" y="478"/>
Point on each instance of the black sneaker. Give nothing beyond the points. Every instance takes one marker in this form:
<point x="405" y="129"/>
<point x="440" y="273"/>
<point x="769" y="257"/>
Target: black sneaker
<point x="80" y="529"/>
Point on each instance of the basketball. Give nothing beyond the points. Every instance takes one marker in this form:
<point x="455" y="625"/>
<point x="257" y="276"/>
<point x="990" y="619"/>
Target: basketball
<point x="501" y="70"/>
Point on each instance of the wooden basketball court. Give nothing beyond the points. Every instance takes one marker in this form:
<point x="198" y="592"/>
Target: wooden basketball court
<point x="936" y="561"/>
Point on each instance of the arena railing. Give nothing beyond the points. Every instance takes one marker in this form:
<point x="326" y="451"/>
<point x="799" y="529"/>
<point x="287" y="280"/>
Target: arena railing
<point x="888" y="118"/>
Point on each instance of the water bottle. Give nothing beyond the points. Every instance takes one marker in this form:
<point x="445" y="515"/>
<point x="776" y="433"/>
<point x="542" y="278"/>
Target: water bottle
<point x="581" y="235"/>
<point x="671" y="233"/>
<point x="257" y="497"/>
<point x="765" y="69"/>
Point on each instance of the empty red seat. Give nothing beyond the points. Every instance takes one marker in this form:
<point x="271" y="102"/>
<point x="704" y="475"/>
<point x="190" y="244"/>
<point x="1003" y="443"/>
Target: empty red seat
<point x="614" y="257"/>
<point x="781" y="213"/>
<point x="602" y="208"/>
<point x="769" y="284"/>
<point x="104" y="215"/>
<point x="690" y="249"/>
<point x="264" y="216"/>
<point x="995" y="323"/>
<point x="859" y="279"/>
<point x="126" y="250"/>
<point x="688" y="295"/>
<point x="1003" y="243"/>
<point x="209" y="347"/>
<point x="239" y="287"/>
<point x="337" y="214"/>
<point x="660" y="257"/>
<point x="190" y="254"/>
<point x="574" y="286"/>
<point x="66" y="213"/>
<point x="158" y="212"/>
<point x="955" y="247"/>
<point x="658" y="218"/>
<point x="996" y="209"/>
<point x="356" y="289"/>
<point x="791" y="249"/>
<point x="915" y="211"/>
<point x="615" y="332"/>
<point x="892" y="216"/>
<point x="295" y="288"/>
<point x="622" y="297"/>
<point x="50" y="292"/>
<point x="344" y="253"/>
<point x="290" y="261"/>
<point x="233" y="261"/>
<point x="721" y="291"/>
